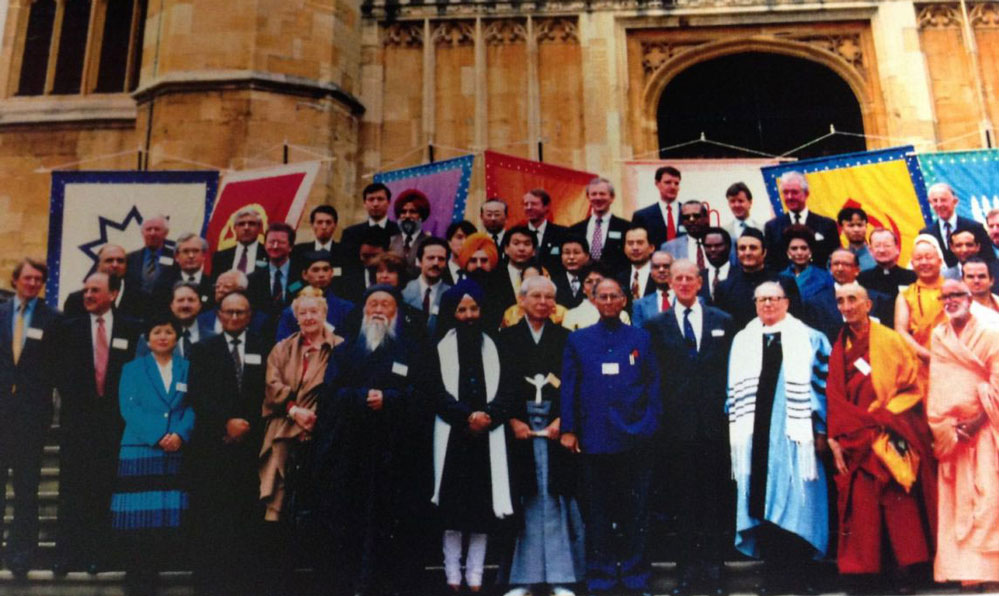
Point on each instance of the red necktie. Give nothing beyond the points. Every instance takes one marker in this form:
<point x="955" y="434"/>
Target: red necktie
<point x="634" y="287"/>
<point x="670" y="224"/>
<point x="100" y="356"/>
<point x="700" y="256"/>
<point x="665" y="303"/>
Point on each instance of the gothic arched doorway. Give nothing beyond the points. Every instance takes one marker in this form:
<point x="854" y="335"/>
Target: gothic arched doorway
<point x="768" y="102"/>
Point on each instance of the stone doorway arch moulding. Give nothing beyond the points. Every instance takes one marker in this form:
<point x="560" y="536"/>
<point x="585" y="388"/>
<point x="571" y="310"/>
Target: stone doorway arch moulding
<point x="847" y="53"/>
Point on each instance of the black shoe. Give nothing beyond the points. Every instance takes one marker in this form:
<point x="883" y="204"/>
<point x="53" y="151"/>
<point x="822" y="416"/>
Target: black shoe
<point x="93" y="568"/>
<point x="59" y="570"/>
<point x="20" y="571"/>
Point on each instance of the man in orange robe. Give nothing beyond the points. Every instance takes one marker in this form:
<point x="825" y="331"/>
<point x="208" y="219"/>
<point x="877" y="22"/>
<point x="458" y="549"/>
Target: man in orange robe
<point x="873" y="389"/>
<point x="963" y="412"/>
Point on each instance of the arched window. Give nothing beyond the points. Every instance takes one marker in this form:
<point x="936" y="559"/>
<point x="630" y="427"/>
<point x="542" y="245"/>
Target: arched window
<point x="82" y="46"/>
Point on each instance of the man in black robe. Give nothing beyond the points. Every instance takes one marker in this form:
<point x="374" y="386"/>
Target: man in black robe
<point x="373" y="455"/>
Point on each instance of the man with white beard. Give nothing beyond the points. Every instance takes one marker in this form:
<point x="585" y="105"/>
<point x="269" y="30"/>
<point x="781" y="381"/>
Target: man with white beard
<point x="373" y="454"/>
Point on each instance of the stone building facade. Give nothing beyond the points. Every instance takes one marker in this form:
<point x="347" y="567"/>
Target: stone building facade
<point x="179" y="84"/>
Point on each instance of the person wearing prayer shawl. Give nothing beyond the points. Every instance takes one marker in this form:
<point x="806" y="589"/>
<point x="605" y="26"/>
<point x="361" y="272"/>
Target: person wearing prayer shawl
<point x="776" y="409"/>
<point x="372" y="455"/>
<point x="875" y="410"/>
<point x="549" y="544"/>
<point x="918" y="308"/>
<point x="963" y="412"/>
<point x="471" y="476"/>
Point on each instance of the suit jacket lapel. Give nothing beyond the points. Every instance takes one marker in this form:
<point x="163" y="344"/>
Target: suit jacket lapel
<point x="155" y="380"/>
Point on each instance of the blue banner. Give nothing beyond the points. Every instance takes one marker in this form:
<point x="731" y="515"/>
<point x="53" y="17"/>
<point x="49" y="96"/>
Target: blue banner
<point x="974" y="176"/>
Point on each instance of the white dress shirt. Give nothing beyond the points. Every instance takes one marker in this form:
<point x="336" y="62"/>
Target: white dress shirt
<point x="803" y="213"/>
<point x="536" y="334"/>
<point x="166" y="373"/>
<point x="943" y="231"/>
<point x="328" y="247"/>
<point x="251" y="256"/>
<point x="696" y="318"/>
<point x="381" y="223"/>
<point x="108" y="327"/>
<point x="720" y="272"/>
<point x="604" y="227"/>
<point x="434" y="291"/>
<point x="676" y="214"/>
<point x="241" y="348"/>
<point x="187" y="277"/>
<point x="643" y="277"/>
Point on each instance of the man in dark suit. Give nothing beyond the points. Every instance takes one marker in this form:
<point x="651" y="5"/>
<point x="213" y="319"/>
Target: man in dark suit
<point x="359" y="275"/>
<point x="520" y="246"/>
<point x="456" y="233"/>
<point x="189" y="260"/>
<point x="604" y="232"/>
<point x="248" y="254"/>
<point x="964" y="246"/>
<point x="271" y="287"/>
<point x="155" y="259"/>
<point x="568" y="279"/>
<point x="943" y="201"/>
<point x="224" y="448"/>
<point x="323" y="220"/>
<point x="185" y="308"/>
<point x="227" y="283"/>
<point x="794" y="190"/>
<point x="92" y="349"/>
<point x="662" y="220"/>
<point x="694" y="340"/>
<point x="735" y="294"/>
<point x="376" y="197"/>
<point x="537" y="209"/>
<point x="26" y="361"/>
<point x="129" y="300"/>
<point x="636" y="280"/>
<point x="318" y="273"/>
<point x="661" y="297"/>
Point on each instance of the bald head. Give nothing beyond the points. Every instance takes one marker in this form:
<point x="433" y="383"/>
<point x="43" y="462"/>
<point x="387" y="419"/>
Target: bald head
<point x="855" y="306"/>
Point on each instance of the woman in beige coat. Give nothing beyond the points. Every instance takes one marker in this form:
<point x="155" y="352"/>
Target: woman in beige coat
<point x="295" y="370"/>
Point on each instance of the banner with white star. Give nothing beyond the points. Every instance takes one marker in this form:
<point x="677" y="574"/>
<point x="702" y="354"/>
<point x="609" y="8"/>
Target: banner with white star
<point x="90" y="209"/>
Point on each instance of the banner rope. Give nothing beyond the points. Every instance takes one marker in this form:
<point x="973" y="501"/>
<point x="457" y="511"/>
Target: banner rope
<point x="308" y="151"/>
<point x="44" y="170"/>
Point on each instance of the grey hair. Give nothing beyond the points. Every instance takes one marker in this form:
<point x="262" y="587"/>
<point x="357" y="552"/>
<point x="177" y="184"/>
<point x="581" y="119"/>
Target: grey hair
<point x="769" y="285"/>
<point x="250" y="211"/>
<point x="190" y="235"/>
<point x="600" y="180"/>
<point x="532" y="283"/>
<point x="242" y="282"/>
<point x="794" y="175"/>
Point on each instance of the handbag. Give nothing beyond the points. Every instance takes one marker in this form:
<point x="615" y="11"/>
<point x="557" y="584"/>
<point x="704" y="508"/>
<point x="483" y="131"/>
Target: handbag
<point x="895" y="454"/>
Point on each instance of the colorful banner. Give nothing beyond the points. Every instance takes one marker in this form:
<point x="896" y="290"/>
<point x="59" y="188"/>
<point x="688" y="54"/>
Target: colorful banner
<point x="90" y="209"/>
<point x="974" y="176"/>
<point x="277" y="193"/>
<point x="444" y="182"/>
<point x="703" y="180"/>
<point x="509" y="178"/>
<point x="884" y="183"/>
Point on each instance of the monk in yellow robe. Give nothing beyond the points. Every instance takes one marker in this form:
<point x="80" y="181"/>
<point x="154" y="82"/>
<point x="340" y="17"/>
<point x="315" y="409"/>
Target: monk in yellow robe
<point x="963" y="412"/>
<point x="918" y="308"/>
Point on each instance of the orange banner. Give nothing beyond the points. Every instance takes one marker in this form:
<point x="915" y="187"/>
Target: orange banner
<point x="509" y="178"/>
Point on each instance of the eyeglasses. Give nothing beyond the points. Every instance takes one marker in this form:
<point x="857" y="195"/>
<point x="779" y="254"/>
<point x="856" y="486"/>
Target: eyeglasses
<point x="769" y="299"/>
<point x="953" y="296"/>
<point x="690" y="216"/>
<point x="235" y="313"/>
<point x="608" y="297"/>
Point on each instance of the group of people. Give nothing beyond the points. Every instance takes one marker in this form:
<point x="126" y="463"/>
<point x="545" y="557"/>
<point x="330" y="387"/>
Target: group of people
<point x="543" y="393"/>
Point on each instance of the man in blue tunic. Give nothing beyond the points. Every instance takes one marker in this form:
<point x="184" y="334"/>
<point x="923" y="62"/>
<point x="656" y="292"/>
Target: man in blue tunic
<point x="610" y="410"/>
<point x="776" y="409"/>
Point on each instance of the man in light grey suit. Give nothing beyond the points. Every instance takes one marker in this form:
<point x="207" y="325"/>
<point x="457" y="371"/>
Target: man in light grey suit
<point x="424" y="293"/>
<point x="656" y="302"/>
<point x="694" y="215"/>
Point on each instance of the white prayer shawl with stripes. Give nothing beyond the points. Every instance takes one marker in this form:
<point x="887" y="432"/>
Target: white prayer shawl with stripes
<point x="745" y="365"/>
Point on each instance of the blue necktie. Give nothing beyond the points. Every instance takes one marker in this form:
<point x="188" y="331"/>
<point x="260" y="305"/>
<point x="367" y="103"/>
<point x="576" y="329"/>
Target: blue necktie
<point x="688" y="333"/>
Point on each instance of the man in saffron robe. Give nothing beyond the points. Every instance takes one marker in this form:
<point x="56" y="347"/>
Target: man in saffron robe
<point x="776" y="408"/>
<point x="963" y="412"/>
<point x="873" y="388"/>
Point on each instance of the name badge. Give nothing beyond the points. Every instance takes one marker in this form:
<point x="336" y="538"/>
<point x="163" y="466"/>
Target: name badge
<point x="555" y="250"/>
<point x="295" y="287"/>
<point x="398" y="368"/>
<point x="204" y="298"/>
<point x="610" y="368"/>
<point x="261" y="263"/>
<point x="435" y="309"/>
<point x="614" y="235"/>
<point x="251" y="358"/>
<point x="337" y="271"/>
<point x="165" y="260"/>
<point x="34" y="333"/>
<point x="552" y="380"/>
<point x="717" y="333"/>
<point x="862" y="366"/>
<point x="119" y="343"/>
<point x="819" y="236"/>
<point x="181" y="386"/>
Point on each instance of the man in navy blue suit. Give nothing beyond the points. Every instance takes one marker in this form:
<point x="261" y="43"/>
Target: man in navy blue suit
<point x="794" y="190"/>
<point x="943" y="201"/>
<point x="317" y="273"/>
<point x="25" y="404"/>
<point x="693" y="340"/>
<point x="610" y="411"/>
<point x="662" y="220"/>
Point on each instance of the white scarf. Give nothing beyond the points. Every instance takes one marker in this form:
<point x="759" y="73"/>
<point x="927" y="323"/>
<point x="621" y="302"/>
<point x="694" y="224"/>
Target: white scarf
<point x="499" y="473"/>
<point x="744" y="377"/>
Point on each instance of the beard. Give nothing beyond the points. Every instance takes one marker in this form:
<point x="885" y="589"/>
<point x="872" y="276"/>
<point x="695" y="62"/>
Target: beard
<point x="374" y="330"/>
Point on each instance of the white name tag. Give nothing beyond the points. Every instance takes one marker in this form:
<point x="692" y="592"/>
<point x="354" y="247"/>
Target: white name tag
<point x="434" y="310"/>
<point x="614" y="234"/>
<point x="181" y="386"/>
<point x="34" y="333"/>
<point x="261" y="263"/>
<point x="251" y="358"/>
<point x="204" y="298"/>
<point x="555" y="250"/>
<point x="398" y="368"/>
<point x="165" y="260"/>
<point x="717" y="333"/>
<point x="862" y="366"/>
<point x="295" y="287"/>
<point x="119" y="343"/>
<point x="610" y="368"/>
<point x="819" y="236"/>
<point x="337" y="271"/>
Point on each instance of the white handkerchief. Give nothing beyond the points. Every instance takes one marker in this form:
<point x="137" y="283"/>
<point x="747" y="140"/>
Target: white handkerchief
<point x="34" y="333"/>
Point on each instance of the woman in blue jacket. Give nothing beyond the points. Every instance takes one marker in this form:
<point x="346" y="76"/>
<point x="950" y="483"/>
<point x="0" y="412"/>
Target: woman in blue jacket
<point x="150" y="498"/>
